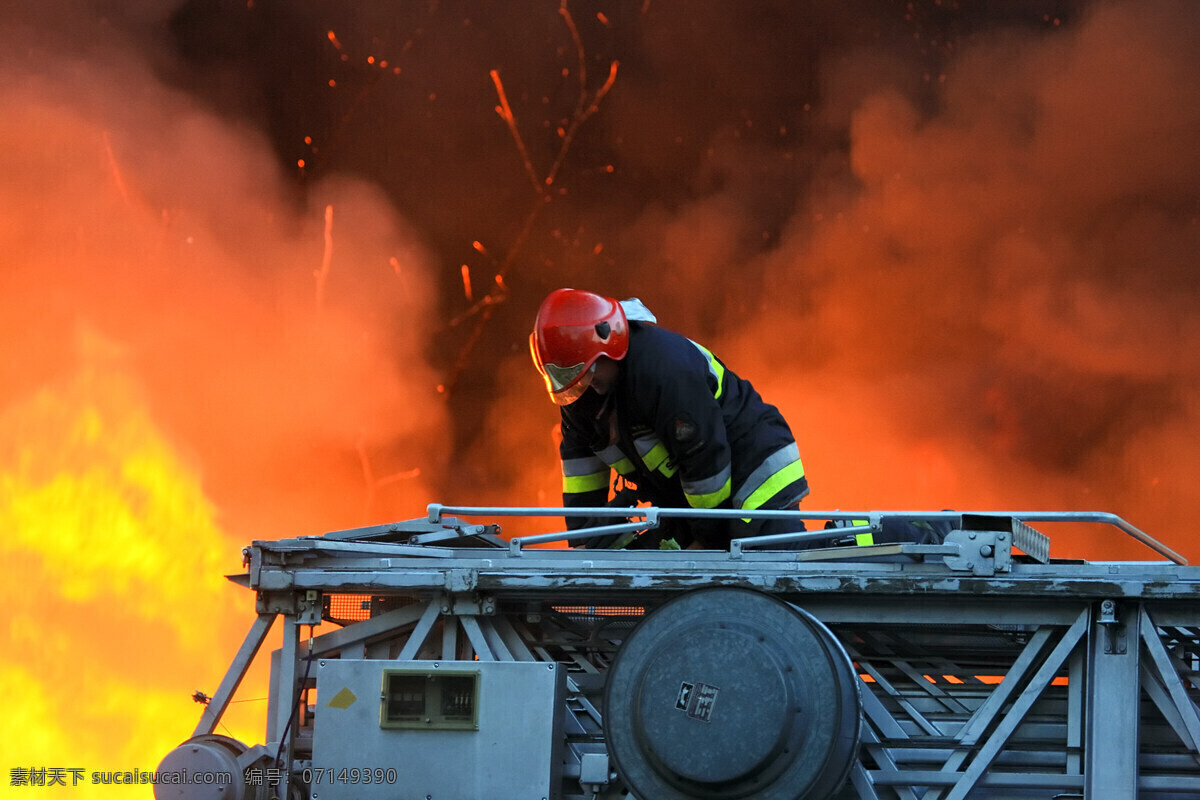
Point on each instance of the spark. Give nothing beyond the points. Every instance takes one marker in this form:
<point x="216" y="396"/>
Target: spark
<point x="587" y="104"/>
<point x="395" y="262"/>
<point x="373" y="483"/>
<point x="115" y="169"/>
<point x="466" y="278"/>
<point x="505" y="112"/>
<point x="322" y="275"/>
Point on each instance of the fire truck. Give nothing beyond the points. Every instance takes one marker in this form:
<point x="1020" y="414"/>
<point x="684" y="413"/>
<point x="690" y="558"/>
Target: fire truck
<point x="435" y="659"/>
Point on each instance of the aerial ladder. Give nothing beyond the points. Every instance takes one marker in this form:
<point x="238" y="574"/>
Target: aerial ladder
<point x="435" y="659"/>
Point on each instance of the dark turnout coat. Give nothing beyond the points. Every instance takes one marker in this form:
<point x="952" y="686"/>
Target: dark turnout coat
<point x="684" y="429"/>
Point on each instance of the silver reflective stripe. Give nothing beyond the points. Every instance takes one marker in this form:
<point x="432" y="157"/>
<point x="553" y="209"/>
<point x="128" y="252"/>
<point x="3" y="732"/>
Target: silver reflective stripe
<point x="587" y="465"/>
<point x="714" y="368"/>
<point x="773" y="463"/>
<point x="707" y="485"/>
<point x="654" y="454"/>
<point x="644" y="444"/>
<point x="636" y="310"/>
<point x="613" y="456"/>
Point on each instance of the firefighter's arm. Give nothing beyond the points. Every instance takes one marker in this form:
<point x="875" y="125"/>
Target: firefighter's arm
<point x="688" y="419"/>
<point x="585" y="476"/>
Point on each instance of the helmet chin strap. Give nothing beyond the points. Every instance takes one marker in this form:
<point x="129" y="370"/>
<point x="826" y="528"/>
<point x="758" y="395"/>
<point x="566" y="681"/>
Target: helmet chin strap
<point x="606" y="403"/>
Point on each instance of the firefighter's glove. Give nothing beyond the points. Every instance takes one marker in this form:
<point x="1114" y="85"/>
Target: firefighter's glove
<point x="625" y="498"/>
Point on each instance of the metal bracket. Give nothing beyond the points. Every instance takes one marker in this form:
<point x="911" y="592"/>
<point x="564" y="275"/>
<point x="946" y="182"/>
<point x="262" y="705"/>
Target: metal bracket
<point x="461" y="580"/>
<point x="980" y="552"/>
<point x="462" y="605"/>
<point x="252" y="561"/>
<point x="486" y="534"/>
<point x="1114" y="630"/>
<point x="305" y="606"/>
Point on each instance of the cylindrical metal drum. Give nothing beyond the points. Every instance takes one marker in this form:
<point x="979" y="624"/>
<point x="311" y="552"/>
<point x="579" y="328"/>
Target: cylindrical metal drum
<point x="729" y="693"/>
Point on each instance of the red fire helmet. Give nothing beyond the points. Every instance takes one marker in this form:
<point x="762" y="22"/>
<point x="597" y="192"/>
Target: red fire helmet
<point x="572" y="330"/>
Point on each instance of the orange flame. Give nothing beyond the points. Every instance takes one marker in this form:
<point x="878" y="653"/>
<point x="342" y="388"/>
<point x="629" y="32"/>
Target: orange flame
<point x="202" y="402"/>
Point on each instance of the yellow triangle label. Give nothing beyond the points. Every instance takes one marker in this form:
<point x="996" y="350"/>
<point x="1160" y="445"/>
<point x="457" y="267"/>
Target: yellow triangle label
<point x="343" y="699"/>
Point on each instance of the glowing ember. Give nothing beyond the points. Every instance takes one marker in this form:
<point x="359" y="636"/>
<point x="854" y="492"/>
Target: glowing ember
<point x="466" y="277"/>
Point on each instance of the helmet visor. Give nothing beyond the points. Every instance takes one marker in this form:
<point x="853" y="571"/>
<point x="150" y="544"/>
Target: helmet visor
<point x="570" y="394"/>
<point x="565" y="385"/>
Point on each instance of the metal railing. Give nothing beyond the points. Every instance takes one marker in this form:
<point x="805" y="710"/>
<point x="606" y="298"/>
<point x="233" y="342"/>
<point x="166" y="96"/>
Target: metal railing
<point x="649" y="517"/>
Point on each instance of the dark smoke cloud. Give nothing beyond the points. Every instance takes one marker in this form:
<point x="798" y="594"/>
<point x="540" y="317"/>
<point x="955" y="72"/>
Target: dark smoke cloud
<point x="1012" y="270"/>
<point x="977" y="221"/>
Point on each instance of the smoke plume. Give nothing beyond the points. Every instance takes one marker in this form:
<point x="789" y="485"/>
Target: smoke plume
<point x="196" y="357"/>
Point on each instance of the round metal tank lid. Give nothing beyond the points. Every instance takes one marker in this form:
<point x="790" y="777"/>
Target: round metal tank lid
<point x="731" y="693"/>
<point x="210" y="754"/>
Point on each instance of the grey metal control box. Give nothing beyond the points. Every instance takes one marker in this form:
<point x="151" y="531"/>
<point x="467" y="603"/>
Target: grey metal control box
<point x="449" y="730"/>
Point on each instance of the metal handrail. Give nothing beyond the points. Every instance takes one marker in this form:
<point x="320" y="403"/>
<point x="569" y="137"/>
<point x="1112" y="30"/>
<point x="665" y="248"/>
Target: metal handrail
<point x="652" y="514"/>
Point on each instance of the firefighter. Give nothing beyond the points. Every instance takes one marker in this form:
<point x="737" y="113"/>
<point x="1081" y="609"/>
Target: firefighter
<point x="667" y="415"/>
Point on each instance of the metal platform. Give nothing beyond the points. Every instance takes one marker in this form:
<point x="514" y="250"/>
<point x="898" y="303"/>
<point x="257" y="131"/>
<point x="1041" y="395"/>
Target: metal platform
<point x="981" y="666"/>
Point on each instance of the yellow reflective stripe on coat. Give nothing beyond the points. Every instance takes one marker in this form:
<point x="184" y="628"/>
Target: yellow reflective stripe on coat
<point x="862" y="539"/>
<point x="709" y="492"/>
<point x="584" y="474"/>
<point x="576" y="484"/>
<point x="768" y="488"/>
<point x="714" y="367"/>
<point x="749" y="494"/>
<point x="712" y="499"/>
<point x="659" y="459"/>
<point x="613" y="456"/>
<point x="654" y="455"/>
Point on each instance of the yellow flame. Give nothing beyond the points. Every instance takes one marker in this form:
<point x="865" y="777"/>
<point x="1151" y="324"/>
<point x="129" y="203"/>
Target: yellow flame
<point x="109" y="543"/>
